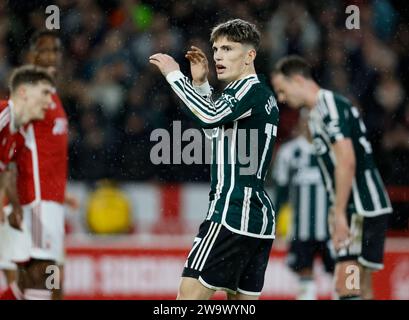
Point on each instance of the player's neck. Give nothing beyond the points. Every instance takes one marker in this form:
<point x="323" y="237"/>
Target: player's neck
<point x="250" y="70"/>
<point x="311" y="95"/>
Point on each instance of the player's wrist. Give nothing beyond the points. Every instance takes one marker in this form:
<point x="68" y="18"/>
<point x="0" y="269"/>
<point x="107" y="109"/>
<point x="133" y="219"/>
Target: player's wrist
<point x="199" y="82"/>
<point x="203" y="88"/>
<point x="339" y="212"/>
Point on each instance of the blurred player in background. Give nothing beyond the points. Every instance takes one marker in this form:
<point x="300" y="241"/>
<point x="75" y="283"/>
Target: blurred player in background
<point x="8" y="267"/>
<point x="232" y="248"/>
<point x="359" y="202"/>
<point x="298" y="180"/>
<point x="41" y="182"/>
<point x="30" y="96"/>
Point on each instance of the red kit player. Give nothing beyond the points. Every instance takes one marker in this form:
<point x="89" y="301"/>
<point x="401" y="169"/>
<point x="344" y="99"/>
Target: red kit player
<point x="41" y="164"/>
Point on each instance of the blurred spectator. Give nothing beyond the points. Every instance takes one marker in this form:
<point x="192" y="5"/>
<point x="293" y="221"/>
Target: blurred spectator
<point x="106" y="92"/>
<point x="292" y="30"/>
<point x="136" y="123"/>
<point x="392" y="131"/>
<point x="92" y="156"/>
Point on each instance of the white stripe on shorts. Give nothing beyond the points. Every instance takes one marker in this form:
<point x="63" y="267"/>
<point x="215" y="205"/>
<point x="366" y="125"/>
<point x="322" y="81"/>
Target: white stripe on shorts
<point x="204" y="243"/>
<point x="210" y="247"/>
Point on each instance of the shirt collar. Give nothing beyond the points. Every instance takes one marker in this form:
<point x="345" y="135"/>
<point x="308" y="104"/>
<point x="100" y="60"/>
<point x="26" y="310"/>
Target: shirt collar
<point x="253" y="75"/>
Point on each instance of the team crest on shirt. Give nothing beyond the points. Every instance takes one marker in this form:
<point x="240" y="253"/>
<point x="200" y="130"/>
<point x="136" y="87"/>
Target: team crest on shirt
<point x="60" y="126"/>
<point x="230" y="99"/>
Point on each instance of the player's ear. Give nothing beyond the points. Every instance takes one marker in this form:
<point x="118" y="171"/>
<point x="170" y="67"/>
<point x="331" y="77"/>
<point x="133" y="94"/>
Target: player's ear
<point x="24" y="91"/>
<point x="251" y="55"/>
<point x="21" y="91"/>
<point x="299" y="79"/>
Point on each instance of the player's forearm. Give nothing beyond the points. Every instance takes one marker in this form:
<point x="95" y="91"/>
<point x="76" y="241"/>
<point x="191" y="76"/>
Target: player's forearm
<point x="3" y="181"/>
<point x="8" y="188"/>
<point x="12" y="196"/>
<point x="2" y="197"/>
<point x="206" y="112"/>
<point x="11" y="189"/>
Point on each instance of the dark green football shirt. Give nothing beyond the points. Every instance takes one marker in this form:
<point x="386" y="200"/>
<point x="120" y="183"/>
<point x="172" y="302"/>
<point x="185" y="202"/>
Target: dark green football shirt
<point x="243" y="127"/>
<point x="333" y="119"/>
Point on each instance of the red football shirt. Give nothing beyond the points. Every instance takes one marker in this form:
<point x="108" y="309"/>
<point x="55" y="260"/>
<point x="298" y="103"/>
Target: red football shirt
<point x="41" y="157"/>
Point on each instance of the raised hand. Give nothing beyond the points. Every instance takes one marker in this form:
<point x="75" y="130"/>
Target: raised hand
<point x="199" y="66"/>
<point x="164" y="62"/>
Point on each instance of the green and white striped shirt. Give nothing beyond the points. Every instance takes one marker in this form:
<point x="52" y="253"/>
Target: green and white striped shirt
<point x="332" y="119"/>
<point x="297" y="178"/>
<point x="243" y="123"/>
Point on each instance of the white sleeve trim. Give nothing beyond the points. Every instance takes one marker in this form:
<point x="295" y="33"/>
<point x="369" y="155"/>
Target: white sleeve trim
<point x="174" y="76"/>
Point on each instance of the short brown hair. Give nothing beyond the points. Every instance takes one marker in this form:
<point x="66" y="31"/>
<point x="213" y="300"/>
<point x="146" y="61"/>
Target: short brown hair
<point x="29" y="74"/>
<point x="291" y="65"/>
<point x="237" y="30"/>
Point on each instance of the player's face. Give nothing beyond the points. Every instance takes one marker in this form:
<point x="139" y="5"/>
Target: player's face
<point x="287" y="90"/>
<point x="47" y="53"/>
<point x="38" y="98"/>
<point x="231" y="59"/>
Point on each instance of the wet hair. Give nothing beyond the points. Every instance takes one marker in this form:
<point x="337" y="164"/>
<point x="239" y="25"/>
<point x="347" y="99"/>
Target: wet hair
<point x="42" y="33"/>
<point x="237" y="30"/>
<point x="291" y="65"/>
<point x="29" y="74"/>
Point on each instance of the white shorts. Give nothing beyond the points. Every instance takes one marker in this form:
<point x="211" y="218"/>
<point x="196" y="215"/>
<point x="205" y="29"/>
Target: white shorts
<point x="43" y="233"/>
<point x="6" y="243"/>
